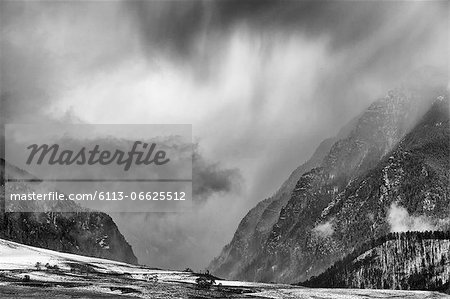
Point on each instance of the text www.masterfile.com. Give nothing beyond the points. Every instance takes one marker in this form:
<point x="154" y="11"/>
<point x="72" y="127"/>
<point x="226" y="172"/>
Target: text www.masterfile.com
<point x="102" y="195"/>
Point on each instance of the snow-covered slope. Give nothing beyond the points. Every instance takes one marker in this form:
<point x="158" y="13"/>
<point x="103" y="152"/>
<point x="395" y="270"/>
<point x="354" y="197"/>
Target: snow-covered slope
<point x="32" y="272"/>
<point x="24" y="260"/>
<point x="16" y="256"/>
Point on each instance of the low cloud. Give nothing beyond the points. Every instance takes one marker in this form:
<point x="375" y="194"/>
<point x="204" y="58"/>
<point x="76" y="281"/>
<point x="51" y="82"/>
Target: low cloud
<point x="400" y="220"/>
<point x="209" y="178"/>
<point x="324" y="229"/>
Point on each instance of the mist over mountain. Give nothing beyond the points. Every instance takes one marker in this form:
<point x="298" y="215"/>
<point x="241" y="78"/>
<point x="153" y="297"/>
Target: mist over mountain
<point x="387" y="171"/>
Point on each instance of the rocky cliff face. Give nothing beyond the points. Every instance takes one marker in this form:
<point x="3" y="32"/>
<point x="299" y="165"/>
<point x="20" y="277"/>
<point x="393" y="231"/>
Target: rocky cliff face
<point x="255" y="227"/>
<point x="407" y="261"/>
<point x="86" y="233"/>
<point x="345" y="201"/>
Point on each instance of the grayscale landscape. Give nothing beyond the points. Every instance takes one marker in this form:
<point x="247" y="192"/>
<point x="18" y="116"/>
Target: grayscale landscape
<point x="310" y="140"/>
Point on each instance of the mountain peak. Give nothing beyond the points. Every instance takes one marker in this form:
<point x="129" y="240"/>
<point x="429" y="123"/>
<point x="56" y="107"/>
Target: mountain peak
<point x="396" y="151"/>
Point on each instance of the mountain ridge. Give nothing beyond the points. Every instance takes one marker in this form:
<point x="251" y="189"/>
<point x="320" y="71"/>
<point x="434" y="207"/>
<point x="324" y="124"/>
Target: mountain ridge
<point x="259" y="220"/>
<point x="313" y="228"/>
<point x="83" y="232"/>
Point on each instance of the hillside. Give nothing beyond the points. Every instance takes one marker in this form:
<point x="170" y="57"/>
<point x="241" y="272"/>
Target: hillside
<point x="30" y="272"/>
<point x="85" y="232"/>
<point x="402" y="261"/>
<point x="396" y="153"/>
<point x="255" y="227"/>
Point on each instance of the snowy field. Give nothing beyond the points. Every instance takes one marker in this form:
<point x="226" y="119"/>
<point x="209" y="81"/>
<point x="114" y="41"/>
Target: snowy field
<point x="30" y="272"/>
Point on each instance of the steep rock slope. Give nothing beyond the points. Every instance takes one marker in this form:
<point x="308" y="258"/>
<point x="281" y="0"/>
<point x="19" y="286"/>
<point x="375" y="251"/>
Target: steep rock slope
<point x="334" y="206"/>
<point x="333" y="210"/>
<point x="407" y="261"/>
<point x="255" y="227"/>
<point x="88" y="233"/>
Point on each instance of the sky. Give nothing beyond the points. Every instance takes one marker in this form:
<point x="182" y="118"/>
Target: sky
<point x="262" y="83"/>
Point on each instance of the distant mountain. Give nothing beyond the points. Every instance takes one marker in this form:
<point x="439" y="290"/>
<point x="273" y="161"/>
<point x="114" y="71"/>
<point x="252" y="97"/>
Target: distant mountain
<point x="84" y="232"/>
<point x="406" y="261"/>
<point x="396" y="153"/>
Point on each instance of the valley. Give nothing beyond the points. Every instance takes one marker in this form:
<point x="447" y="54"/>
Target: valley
<point x="31" y="272"/>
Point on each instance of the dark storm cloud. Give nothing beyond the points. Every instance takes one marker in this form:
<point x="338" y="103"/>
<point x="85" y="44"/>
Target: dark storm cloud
<point x="177" y="25"/>
<point x="209" y="178"/>
<point x="23" y="91"/>
<point x="169" y="25"/>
